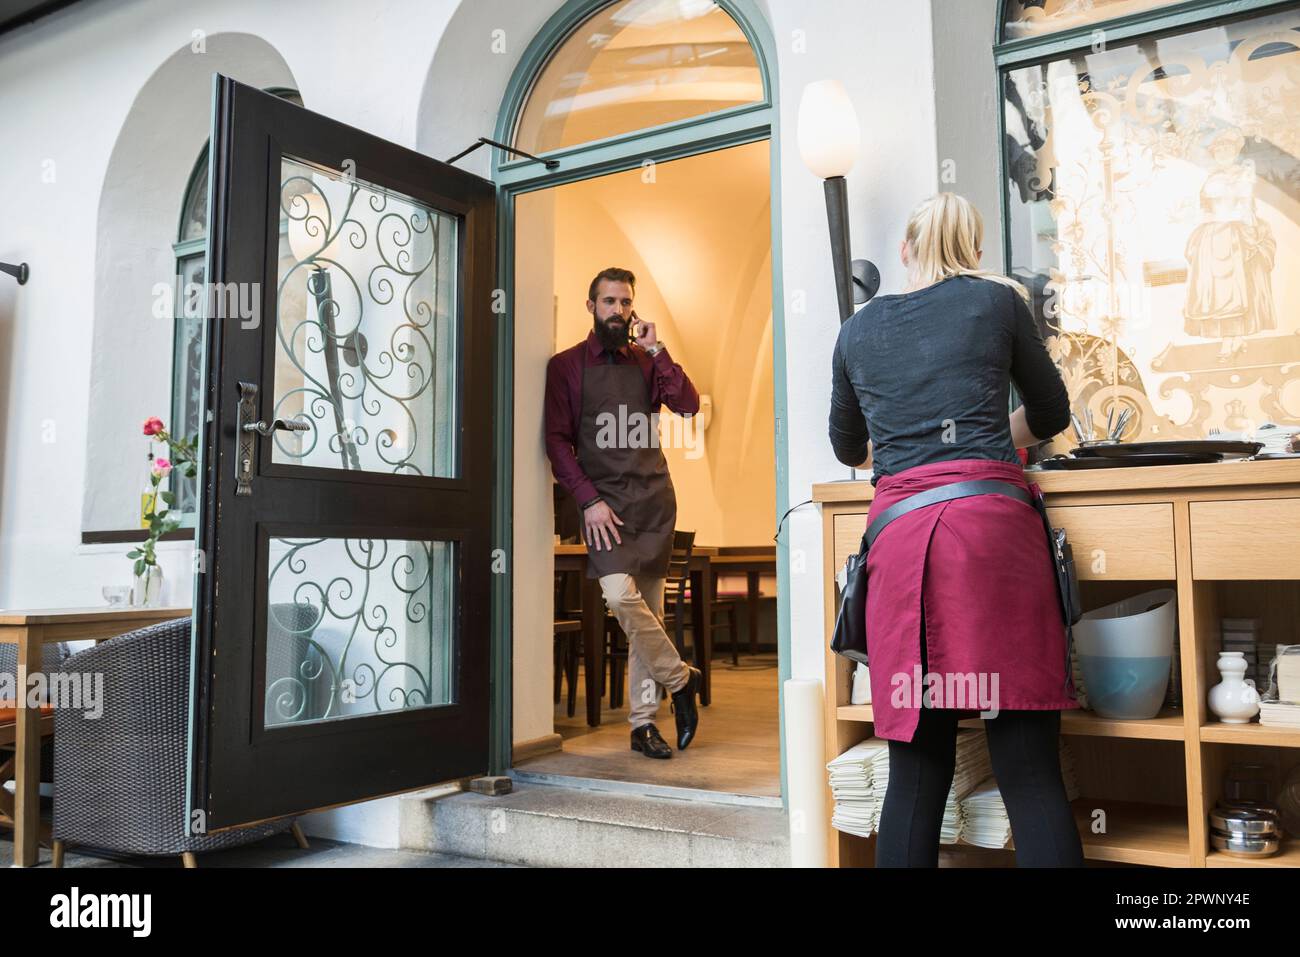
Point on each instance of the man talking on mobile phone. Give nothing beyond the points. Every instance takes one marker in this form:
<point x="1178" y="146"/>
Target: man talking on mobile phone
<point x="603" y="396"/>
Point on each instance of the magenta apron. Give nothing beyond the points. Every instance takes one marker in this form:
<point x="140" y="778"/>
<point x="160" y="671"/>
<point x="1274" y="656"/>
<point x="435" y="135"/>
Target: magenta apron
<point x="980" y="569"/>
<point x="618" y="449"/>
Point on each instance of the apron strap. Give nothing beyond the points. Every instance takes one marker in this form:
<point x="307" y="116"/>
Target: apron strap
<point x="944" y="493"/>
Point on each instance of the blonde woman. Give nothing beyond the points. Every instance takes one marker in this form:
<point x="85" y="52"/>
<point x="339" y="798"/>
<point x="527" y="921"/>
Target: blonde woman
<point x="962" y="612"/>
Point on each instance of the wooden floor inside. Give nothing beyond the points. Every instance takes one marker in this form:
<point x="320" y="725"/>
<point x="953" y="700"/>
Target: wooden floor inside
<point x="736" y="749"/>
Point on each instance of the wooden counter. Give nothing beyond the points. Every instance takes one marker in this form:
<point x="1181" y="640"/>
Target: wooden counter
<point x="1227" y="537"/>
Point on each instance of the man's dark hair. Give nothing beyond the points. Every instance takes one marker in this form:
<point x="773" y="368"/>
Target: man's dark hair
<point x="613" y="274"/>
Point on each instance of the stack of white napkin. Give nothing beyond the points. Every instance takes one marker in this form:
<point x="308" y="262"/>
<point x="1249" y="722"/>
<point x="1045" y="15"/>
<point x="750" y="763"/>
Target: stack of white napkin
<point x="858" y="779"/>
<point x="860" y="776"/>
<point x="984" y="815"/>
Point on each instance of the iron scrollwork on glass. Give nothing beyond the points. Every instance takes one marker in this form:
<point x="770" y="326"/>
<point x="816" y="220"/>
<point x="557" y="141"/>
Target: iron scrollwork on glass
<point x="357" y="627"/>
<point x="366" y="349"/>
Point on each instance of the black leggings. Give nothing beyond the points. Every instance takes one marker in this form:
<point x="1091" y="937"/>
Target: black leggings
<point x="1024" y="748"/>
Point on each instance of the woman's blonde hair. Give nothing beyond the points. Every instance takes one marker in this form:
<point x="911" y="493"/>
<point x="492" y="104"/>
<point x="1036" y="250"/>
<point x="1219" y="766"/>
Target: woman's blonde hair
<point x="945" y="234"/>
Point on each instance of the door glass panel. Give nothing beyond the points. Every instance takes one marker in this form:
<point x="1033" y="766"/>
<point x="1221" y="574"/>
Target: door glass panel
<point x="1154" y="204"/>
<point x="366" y="327"/>
<point x="637" y="64"/>
<point x="358" y="626"/>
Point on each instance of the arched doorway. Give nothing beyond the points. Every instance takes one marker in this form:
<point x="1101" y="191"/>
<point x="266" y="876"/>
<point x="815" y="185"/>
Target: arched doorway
<point x="654" y="122"/>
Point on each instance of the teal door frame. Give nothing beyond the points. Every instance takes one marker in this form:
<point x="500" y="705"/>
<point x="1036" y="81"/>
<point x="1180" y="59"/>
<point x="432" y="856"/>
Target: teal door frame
<point x="704" y="134"/>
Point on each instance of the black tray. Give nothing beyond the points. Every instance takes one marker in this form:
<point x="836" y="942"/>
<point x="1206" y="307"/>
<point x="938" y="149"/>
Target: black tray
<point x="1129" y="461"/>
<point x="1172" y="447"/>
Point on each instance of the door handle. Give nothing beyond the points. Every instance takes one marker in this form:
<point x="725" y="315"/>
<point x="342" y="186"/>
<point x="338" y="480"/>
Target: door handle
<point x="247" y="426"/>
<point x="280" y="425"/>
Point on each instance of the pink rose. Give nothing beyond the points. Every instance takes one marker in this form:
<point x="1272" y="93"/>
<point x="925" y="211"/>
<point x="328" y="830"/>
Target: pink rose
<point x="161" y="467"/>
<point x="153" y="425"/>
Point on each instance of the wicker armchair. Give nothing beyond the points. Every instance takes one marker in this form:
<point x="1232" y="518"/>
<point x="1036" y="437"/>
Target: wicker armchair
<point x="119" y="779"/>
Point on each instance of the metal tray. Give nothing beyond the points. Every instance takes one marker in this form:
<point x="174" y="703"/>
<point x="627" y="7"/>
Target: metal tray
<point x="1173" y="447"/>
<point x="1128" y="461"/>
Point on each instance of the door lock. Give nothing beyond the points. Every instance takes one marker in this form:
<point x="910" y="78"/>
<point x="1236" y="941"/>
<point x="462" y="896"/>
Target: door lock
<point x="246" y="444"/>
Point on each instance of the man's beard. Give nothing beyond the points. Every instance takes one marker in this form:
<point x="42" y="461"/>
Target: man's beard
<point x="612" y="339"/>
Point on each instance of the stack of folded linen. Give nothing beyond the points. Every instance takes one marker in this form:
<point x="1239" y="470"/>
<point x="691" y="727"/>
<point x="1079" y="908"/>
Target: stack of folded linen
<point x="984" y="815"/>
<point x="860" y="776"/>
<point x="858" y="779"/>
<point x="973" y="767"/>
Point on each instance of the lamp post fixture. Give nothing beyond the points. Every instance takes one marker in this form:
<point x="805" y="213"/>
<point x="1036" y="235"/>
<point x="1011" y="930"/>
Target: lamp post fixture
<point x="829" y="137"/>
<point x="19" y="271"/>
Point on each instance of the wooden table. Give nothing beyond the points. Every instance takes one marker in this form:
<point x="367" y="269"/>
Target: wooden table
<point x="574" y="558"/>
<point x="753" y="560"/>
<point x="29" y="629"/>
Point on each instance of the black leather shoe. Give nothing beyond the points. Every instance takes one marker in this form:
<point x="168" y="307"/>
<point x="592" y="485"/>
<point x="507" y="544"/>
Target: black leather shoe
<point x="685" y="709"/>
<point x="649" y="742"/>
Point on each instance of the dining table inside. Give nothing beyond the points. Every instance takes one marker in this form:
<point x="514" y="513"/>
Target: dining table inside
<point x="707" y="563"/>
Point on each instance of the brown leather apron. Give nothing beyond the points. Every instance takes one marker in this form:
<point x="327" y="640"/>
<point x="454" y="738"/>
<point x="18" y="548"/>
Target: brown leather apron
<point x="630" y="473"/>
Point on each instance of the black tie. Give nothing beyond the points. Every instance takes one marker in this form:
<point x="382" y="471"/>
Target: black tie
<point x="609" y="354"/>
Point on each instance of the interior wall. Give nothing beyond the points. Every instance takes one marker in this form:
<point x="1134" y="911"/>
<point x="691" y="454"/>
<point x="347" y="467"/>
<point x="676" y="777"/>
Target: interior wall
<point x="533" y="632"/>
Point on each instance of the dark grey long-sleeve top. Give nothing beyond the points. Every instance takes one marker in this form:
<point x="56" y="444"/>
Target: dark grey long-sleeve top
<point x="926" y="377"/>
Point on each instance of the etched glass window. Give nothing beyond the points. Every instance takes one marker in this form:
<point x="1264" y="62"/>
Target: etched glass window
<point x="1027" y="18"/>
<point x="637" y="64"/>
<point x="1154" y="202"/>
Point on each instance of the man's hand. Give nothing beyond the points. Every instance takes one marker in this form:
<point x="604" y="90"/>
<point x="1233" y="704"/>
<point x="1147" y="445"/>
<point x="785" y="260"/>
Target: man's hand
<point x="598" y="521"/>
<point x="648" y="337"/>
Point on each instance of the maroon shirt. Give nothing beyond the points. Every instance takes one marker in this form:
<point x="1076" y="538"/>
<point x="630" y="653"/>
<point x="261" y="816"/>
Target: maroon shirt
<point x="666" y="380"/>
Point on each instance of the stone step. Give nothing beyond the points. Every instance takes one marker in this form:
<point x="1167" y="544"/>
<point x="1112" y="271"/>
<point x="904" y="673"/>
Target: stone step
<point x="551" y="825"/>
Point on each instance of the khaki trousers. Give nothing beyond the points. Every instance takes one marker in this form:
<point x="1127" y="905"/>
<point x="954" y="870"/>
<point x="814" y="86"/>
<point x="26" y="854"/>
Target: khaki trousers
<point x="638" y="606"/>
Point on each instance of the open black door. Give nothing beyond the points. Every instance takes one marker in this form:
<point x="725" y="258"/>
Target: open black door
<point x="342" y="603"/>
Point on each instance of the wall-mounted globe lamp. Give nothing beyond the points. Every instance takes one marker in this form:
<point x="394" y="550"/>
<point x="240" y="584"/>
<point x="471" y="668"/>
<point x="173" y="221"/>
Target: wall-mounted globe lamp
<point x="829" y="138"/>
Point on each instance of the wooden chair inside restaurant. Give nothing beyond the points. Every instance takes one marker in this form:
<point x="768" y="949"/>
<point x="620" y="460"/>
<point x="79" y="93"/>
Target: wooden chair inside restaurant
<point x="52" y="655"/>
<point x="8" y="760"/>
<point x="724" y="604"/>
<point x="568" y="643"/>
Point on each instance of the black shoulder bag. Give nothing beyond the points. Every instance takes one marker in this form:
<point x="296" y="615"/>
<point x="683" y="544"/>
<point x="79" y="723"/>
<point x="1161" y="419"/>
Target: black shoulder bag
<point x="1067" y="579"/>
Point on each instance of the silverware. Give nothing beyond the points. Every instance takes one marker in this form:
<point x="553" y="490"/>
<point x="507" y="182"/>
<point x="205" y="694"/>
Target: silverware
<point x="1088" y="422"/>
<point x="1078" y="426"/>
<point x="1110" y="421"/>
<point x="1120" y="423"/>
